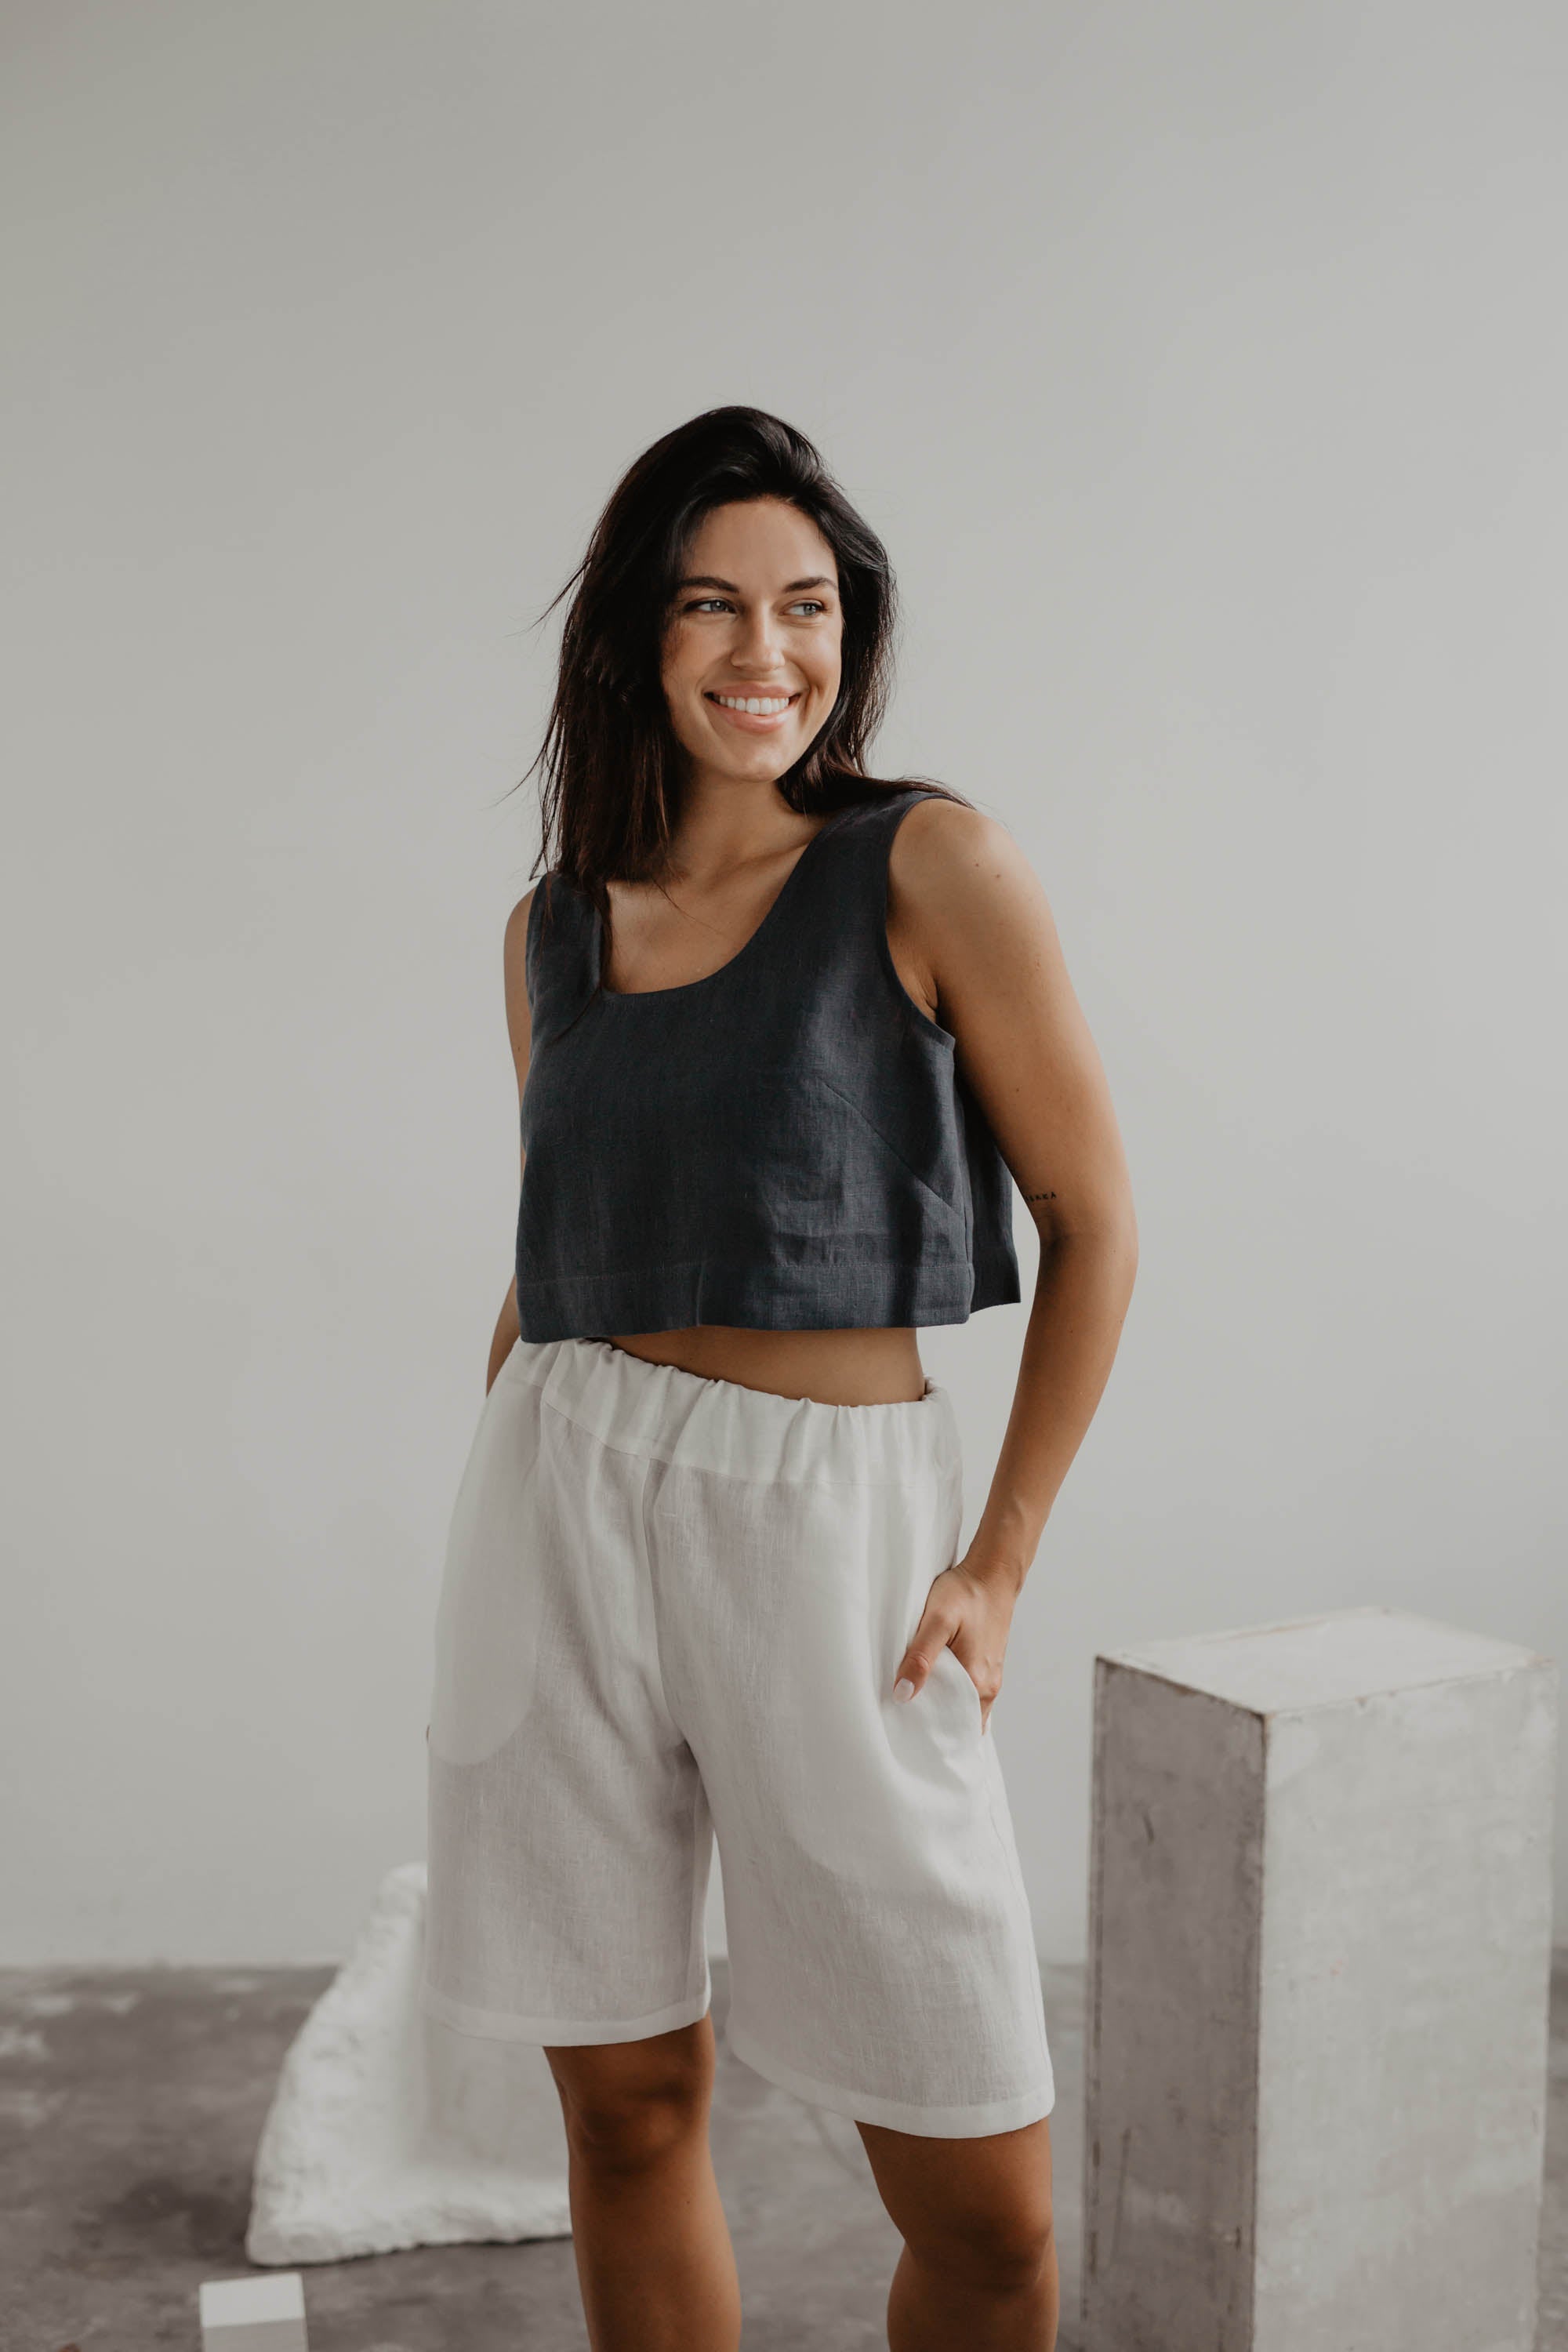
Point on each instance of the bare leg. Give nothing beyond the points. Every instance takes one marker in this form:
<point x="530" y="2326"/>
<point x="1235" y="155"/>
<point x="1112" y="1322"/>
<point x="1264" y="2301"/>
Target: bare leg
<point x="979" y="2265"/>
<point x="654" y="2259"/>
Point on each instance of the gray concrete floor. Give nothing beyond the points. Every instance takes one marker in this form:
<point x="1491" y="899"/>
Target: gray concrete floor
<point x="129" y="2106"/>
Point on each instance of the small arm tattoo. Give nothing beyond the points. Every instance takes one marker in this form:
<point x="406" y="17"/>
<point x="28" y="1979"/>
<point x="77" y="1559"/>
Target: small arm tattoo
<point x="1040" y="1196"/>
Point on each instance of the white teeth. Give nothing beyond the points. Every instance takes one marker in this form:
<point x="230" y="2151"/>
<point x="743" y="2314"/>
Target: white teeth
<point x="754" y="704"/>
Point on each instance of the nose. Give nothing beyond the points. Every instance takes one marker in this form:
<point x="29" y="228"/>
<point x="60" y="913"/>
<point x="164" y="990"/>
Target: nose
<point x="756" y="647"/>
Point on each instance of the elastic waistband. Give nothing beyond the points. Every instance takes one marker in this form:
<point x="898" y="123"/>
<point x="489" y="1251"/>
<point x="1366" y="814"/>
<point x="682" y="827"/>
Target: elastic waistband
<point x="673" y="1415"/>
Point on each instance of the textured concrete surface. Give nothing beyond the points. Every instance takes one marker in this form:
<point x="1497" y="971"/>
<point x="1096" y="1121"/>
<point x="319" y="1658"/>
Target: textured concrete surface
<point x="1321" y="1952"/>
<point x="1176" y="1913"/>
<point x="129" y="2106"/>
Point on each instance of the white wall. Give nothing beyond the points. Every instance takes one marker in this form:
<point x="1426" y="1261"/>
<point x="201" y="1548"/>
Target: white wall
<point x="1204" y="367"/>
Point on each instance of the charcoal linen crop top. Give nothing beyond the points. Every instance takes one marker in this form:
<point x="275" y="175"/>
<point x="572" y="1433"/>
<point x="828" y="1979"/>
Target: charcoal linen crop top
<point x="787" y="1144"/>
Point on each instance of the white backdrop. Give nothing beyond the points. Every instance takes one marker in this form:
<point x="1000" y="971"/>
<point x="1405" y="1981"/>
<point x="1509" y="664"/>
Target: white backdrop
<point x="1204" y="367"/>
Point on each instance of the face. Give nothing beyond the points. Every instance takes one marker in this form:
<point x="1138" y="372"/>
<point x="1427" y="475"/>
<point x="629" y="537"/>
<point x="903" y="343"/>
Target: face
<point x="755" y="618"/>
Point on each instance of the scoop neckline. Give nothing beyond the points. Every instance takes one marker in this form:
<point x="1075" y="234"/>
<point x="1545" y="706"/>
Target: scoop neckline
<point x="685" y="987"/>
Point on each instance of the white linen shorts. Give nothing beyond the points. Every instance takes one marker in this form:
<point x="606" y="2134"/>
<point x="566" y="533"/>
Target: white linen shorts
<point x="674" y="1607"/>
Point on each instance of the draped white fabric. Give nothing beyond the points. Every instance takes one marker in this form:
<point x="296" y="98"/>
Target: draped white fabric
<point x="389" y="2129"/>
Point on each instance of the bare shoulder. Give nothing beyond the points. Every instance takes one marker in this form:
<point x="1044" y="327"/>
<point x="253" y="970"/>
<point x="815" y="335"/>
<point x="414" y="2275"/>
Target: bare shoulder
<point x="981" y="928"/>
<point x="963" y="878"/>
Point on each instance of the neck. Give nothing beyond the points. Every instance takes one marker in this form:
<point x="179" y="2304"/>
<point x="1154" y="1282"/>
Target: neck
<point x="727" y="822"/>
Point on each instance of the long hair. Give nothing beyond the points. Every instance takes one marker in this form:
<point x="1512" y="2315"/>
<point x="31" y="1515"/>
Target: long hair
<point x="611" y="762"/>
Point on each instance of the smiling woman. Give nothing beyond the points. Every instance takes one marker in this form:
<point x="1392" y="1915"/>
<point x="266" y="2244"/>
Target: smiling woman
<point x="784" y="1033"/>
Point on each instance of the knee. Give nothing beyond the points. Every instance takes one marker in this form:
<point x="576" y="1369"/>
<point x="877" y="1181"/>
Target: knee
<point x="625" y="2122"/>
<point x="1004" y="2251"/>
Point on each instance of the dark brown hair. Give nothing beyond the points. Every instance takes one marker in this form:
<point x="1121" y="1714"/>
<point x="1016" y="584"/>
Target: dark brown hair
<point x="612" y="762"/>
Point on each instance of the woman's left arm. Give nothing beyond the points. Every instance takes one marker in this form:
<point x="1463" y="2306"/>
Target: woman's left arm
<point x="973" y="923"/>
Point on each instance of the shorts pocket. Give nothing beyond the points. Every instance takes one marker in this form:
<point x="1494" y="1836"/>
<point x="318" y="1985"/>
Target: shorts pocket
<point x="949" y="1663"/>
<point x="487" y="1616"/>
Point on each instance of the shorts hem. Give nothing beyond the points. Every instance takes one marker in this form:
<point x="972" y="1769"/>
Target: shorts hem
<point x="898" y="2115"/>
<point x="506" y="2025"/>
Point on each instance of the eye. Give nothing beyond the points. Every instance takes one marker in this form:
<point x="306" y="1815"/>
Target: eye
<point x="697" y="605"/>
<point x="815" y="603"/>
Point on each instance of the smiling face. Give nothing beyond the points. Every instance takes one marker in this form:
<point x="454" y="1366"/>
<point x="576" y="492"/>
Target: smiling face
<point x="751" y="655"/>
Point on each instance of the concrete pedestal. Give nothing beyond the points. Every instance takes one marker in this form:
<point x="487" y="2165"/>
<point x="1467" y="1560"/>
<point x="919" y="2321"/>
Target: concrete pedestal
<point x="1319" y="1949"/>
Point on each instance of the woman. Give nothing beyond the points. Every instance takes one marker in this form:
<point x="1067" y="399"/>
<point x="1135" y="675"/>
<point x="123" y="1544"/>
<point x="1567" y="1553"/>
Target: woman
<point x="781" y="1033"/>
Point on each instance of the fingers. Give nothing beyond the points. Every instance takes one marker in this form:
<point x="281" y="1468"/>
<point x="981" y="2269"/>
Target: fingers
<point x="952" y="1613"/>
<point x="933" y="1633"/>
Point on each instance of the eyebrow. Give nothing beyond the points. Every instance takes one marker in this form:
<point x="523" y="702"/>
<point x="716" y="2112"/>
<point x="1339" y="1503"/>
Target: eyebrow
<point x="791" y="588"/>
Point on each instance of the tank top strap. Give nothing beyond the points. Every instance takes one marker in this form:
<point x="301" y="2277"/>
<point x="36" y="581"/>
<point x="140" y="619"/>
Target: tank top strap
<point x="865" y="829"/>
<point x="845" y="901"/>
<point x="559" y="953"/>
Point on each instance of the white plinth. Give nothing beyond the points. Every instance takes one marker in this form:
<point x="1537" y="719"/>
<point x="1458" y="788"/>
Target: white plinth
<point x="1320" y="1950"/>
<point x="265" y="2315"/>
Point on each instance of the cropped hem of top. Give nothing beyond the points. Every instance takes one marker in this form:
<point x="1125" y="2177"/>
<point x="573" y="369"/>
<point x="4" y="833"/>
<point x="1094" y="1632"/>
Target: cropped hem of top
<point x="786" y="1144"/>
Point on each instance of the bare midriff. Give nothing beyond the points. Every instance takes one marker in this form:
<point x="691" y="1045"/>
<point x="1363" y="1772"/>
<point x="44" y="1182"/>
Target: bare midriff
<point x="876" y="1367"/>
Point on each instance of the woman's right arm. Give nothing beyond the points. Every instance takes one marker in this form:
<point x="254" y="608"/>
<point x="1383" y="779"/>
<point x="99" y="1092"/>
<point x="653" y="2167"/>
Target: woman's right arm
<point x="520" y="1030"/>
